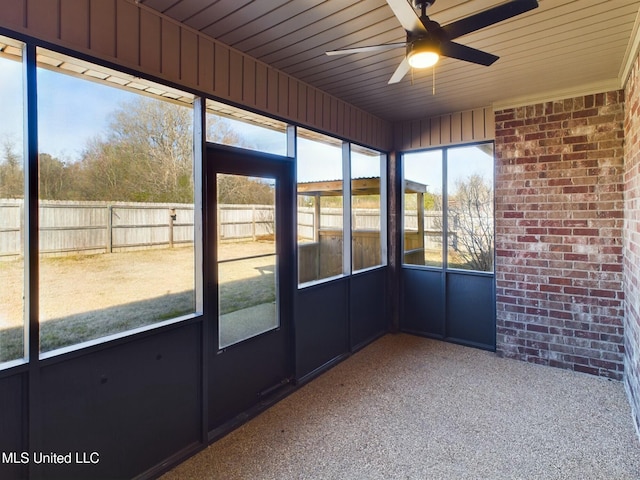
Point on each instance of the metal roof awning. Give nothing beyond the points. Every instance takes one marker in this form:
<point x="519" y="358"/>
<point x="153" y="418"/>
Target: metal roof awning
<point x="359" y="186"/>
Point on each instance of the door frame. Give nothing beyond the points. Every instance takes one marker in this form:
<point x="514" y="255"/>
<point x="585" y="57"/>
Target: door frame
<point x="225" y="409"/>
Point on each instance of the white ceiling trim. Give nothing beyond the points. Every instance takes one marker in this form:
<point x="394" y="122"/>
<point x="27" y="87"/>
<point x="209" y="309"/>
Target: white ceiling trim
<point x="631" y="53"/>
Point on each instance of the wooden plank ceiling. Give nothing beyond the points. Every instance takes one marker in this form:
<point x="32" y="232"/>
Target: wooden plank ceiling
<point x="560" y="49"/>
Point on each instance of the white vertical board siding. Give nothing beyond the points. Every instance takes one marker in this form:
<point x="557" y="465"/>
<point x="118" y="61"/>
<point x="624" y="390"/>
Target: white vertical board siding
<point x="461" y="127"/>
<point x="134" y="36"/>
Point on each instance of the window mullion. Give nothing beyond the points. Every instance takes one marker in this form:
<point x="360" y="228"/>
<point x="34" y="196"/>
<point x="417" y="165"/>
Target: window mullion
<point x="346" y="209"/>
<point x="445" y="211"/>
<point x="31" y="235"/>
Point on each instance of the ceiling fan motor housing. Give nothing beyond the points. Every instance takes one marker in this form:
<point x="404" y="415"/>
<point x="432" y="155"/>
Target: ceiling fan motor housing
<point x="423" y="52"/>
<point x="421" y="44"/>
<point x="419" y="3"/>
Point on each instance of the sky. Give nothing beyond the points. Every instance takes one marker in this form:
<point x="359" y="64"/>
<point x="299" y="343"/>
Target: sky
<point x="65" y="122"/>
<point x="11" y="105"/>
<point x="462" y="162"/>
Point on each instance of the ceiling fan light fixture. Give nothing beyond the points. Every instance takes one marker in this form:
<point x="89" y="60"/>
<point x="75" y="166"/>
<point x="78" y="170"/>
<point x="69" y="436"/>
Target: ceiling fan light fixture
<point x="422" y="54"/>
<point x="423" y="59"/>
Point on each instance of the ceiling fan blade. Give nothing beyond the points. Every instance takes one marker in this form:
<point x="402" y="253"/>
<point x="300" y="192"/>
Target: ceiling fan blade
<point x="407" y="16"/>
<point x="400" y="72"/>
<point x="371" y="48"/>
<point x="488" y="17"/>
<point x="468" y="54"/>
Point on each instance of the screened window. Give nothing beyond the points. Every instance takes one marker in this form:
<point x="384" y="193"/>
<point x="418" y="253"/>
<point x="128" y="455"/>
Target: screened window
<point x="422" y="199"/>
<point x="247" y="257"/>
<point x="320" y="207"/>
<point x="116" y="203"/>
<point x="228" y="125"/>
<point x="12" y="265"/>
<point x="470" y="207"/>
<point x="448" y="200"/>
<point x="368" y="184"/>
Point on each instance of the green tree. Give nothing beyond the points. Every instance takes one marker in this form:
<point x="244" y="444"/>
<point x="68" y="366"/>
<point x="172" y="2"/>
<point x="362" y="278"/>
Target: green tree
<point x="432" y="201"/>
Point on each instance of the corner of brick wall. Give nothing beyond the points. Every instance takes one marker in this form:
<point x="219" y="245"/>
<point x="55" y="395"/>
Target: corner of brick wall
<point x="632" y="242"/>
<point x="559" y="223"/>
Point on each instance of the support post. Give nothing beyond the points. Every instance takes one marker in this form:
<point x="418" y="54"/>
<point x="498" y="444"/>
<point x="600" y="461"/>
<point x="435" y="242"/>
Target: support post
<point x="172" y="219"/>
<point x="109" y="246"/>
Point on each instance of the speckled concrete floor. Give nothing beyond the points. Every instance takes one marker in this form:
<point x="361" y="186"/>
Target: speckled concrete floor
<point x="411" y="408"/>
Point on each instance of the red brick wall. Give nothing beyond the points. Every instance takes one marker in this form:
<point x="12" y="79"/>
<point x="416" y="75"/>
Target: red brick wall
<point x="559" y="222"/>
<point x="632" y="241"/>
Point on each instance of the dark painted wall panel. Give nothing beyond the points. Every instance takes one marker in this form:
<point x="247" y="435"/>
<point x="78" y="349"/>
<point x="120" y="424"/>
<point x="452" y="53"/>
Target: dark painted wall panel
<point x="422" y="302"/>
<point x="12" y="422"/>
<point x="471" y="315"/>
<point x="321" y="325"/>
<point x="241" y="372"/>
<point x="368" y="306"/>
<point x="135" y="404"/>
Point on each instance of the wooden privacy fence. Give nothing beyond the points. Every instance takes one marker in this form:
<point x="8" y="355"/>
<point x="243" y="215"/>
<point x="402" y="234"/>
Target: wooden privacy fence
<point x="365" y="219"/>
<point x="68" y="227"/>
<point x="239" y="222"/>
<point x="71" y="227"/>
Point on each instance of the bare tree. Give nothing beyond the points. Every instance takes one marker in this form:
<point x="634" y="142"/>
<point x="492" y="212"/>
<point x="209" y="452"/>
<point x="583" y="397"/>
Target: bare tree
<point x="471" y="218"/>
<point x="155" y="138"/>
<point x="239" y="189"/>
<point x="53" y="178"/>
<point x="147" y="153"/>
<point x="11" y="172"/>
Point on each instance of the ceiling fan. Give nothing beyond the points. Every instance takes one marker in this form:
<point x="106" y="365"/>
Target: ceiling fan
<point x="427" y="40"/>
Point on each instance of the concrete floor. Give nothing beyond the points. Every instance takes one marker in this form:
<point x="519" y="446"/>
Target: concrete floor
<point x="411" y="408"/>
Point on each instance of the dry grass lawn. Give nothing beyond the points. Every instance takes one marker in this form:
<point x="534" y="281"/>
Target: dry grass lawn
<point x="84" y="297"/>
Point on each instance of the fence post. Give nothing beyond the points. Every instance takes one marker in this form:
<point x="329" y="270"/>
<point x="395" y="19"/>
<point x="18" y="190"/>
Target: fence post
<point x="21" y="227"/>
<point x="109" y="228"/>
<point x="316" y="218"/>
<point x="253" y="223"/>
<point x="172" y="218"/>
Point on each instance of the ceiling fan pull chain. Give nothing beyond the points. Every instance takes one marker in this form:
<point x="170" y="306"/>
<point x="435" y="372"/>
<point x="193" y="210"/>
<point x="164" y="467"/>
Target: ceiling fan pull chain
<point x="433" y="82"/>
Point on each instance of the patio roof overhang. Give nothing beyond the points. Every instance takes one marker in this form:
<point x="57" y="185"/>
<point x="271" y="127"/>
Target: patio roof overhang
<point x="359" y="186"/>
